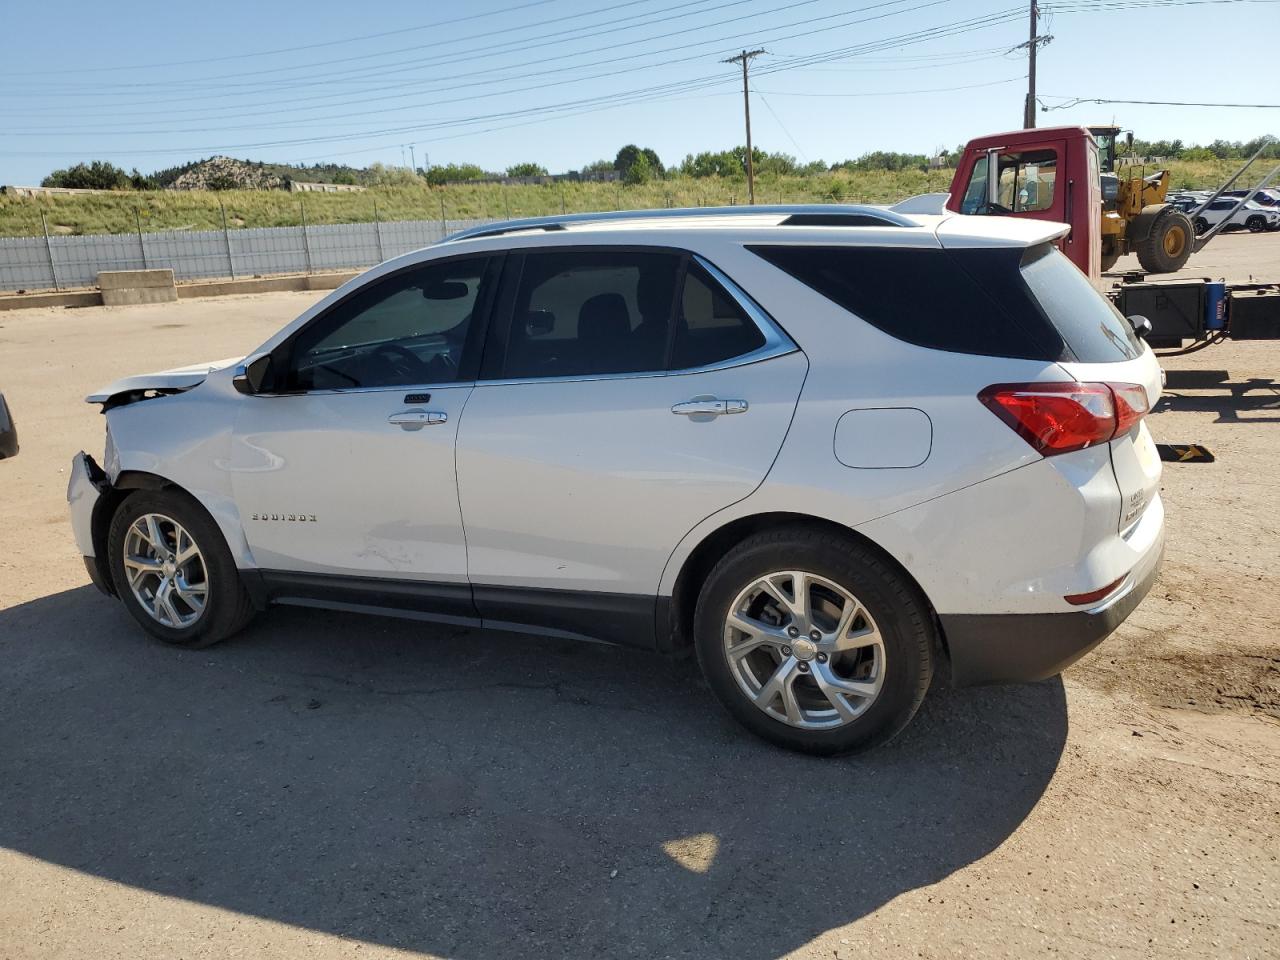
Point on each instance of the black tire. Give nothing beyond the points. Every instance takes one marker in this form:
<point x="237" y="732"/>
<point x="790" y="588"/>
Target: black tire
<point x="898" y="608"/>
<point x="1256" y="224"/>
<point x="1201" y="226"/>
<point x="227" y="605"/>
<point x="1168" y="246"/>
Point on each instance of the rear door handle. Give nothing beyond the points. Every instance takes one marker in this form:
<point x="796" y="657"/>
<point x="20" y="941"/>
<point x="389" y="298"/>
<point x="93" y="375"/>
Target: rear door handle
<point x="417" y="419"/>
<point x="708" y="408"/>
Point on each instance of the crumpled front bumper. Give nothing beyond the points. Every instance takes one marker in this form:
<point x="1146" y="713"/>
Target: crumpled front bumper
<point x="85" y="488"/>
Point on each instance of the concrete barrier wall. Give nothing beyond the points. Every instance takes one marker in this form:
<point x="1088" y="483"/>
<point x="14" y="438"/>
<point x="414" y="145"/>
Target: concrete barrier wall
<point x="60" y="262"/>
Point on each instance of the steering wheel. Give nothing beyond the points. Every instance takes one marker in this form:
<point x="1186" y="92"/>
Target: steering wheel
<point x="402" y="361"/>
<point x="990" y="207"/>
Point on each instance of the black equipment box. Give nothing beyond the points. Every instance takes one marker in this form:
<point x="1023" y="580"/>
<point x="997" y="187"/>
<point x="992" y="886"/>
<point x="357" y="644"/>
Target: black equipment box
<point x="1176" y="310"/>
<point x="1254" y="314"/>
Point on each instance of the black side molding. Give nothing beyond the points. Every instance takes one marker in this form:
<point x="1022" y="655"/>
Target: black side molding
<point x="617" y="618"/>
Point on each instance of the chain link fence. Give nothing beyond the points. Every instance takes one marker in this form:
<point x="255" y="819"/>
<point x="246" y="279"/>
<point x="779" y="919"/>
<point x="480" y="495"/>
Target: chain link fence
<point x="60" y="262"/>
<point x="67" y="262"/>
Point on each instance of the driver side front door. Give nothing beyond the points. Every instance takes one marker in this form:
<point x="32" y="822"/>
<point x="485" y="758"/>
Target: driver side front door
<point x="343" y="468"/>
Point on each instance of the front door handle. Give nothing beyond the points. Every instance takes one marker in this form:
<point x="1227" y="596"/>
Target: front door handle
<point x="706" y="408"/>
<point x="417" y="419"/>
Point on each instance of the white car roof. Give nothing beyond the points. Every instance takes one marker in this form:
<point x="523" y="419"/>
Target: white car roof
<point x="824" y="223"/>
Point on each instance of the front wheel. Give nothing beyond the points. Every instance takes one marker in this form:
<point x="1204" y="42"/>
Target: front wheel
<point x="1256" y="224"/>
<point x="813" y="642"/>
<point x="173" y="571"/>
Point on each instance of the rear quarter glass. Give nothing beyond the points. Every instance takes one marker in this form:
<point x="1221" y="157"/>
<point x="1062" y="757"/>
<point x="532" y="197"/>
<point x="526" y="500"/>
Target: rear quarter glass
<point x="977" y="301"/>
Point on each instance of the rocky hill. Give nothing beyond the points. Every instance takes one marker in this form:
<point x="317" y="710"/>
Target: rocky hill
<point x="226" y="173"/>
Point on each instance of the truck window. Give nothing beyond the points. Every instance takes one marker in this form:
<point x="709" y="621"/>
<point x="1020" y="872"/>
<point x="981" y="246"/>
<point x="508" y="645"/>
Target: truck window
<point x="975" y="195"/>
<point x="1027" y="180"/>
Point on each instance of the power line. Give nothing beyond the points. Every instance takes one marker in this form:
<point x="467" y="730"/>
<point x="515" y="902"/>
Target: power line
<point x="1076" y="101"/>
<point x="781" y="126"/>
<point x="658" y="92"/>
<point x="611" y="63"/>
<point x="887" y="93"/>
<point x="306" y="46"/>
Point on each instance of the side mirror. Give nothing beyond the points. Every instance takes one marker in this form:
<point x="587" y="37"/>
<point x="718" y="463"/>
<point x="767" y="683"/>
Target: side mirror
<point x="250" y="375"/>
<point x="1141" y="325"/>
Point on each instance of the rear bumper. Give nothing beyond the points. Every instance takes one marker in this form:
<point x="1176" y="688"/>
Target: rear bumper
<point x="1023" y="647"/>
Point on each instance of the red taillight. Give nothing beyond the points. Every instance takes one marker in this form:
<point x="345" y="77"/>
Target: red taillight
<point x="1131" y="405"/>
<point x="1061" y="417"/>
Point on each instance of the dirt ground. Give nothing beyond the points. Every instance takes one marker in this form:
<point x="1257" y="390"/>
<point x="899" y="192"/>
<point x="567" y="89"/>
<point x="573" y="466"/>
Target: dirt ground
<point x="329" y="785"/>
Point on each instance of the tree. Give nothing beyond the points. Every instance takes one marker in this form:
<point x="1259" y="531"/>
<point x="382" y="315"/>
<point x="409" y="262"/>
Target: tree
<point x="98" y="175"/>
<point x="597" y="167"/>
<point x="380" y="175"/>
<point x="140" y="181"/>
<point x="629" y="155"/>
<point x="526" y="170"/>
<point x="639" y="172"/>
<point x="456" y="171"/>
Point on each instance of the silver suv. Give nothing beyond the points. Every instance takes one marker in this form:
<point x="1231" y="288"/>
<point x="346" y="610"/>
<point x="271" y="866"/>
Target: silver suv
<point x="827" y="449"/>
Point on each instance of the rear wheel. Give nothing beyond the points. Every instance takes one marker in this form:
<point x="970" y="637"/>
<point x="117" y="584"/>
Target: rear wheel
<point x="813" y="642"/>
<point x="1169" y="244"/>
<point x="173" y="571"/>
<point x="1202" y="225"/>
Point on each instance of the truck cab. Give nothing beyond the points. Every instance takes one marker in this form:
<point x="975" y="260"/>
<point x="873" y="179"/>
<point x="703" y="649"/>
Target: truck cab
<point x="1045" y="174"/>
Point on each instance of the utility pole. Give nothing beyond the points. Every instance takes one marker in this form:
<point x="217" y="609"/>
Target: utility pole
<point x="1034" y="42"/>
<point x="413" y="160"/>
<point x="745" y="58"/>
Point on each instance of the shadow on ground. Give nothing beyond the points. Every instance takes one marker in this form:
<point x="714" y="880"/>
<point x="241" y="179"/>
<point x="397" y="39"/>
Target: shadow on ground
<point x="1213" y="391"/>
<point x="472" y="794"/>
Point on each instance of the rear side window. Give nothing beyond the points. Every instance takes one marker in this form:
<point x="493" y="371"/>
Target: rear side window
<point x="587" y="313"/>
<point x="592" y="313"/>
<point x="995" y="301"/>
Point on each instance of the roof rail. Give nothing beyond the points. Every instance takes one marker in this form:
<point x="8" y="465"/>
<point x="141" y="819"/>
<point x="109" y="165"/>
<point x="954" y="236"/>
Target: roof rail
<point x="799" y="215"/>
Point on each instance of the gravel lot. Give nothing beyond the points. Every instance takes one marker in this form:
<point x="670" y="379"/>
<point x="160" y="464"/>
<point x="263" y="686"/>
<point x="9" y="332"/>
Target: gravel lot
<point x="329" y="785"/>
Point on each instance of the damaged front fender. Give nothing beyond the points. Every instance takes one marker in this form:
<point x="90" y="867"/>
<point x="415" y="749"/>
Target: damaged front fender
<point x="145" y="385"/>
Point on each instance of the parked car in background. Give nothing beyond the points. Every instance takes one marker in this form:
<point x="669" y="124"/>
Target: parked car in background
<point x="747" y="433"/>
<point x="1266" y="197"/>
<point x="8" y="432"/>
<point x="1252" y="216"/>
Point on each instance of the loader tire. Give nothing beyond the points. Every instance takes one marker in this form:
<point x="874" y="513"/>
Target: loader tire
<point x="1169" y="244"/>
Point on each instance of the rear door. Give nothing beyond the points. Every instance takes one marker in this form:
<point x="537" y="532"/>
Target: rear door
<point x="629" y="395"/>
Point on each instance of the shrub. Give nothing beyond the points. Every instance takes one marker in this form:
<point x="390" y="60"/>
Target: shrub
<point x="98" y="175"/>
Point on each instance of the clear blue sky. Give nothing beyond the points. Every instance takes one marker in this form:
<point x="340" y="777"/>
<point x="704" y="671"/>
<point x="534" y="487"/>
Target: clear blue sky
<point x="565" y="82"/>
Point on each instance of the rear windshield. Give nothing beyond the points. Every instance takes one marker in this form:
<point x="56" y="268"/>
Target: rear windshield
<point x="1095" y="330"/>
<point x="997" y="301"/>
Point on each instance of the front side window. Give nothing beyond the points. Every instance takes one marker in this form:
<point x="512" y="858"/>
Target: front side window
<point x="405" y="330"/>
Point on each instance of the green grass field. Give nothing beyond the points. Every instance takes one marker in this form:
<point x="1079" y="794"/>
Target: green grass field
<point x="172" y="210"/>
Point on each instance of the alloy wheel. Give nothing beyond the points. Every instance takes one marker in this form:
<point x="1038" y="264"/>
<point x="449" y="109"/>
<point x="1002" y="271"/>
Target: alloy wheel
<point x="166" y="570"/>
<point x="804" y="650"/>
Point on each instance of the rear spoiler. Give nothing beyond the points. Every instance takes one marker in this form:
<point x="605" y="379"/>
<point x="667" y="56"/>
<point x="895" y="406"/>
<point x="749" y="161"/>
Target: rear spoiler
<point x="959" y="231"/>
